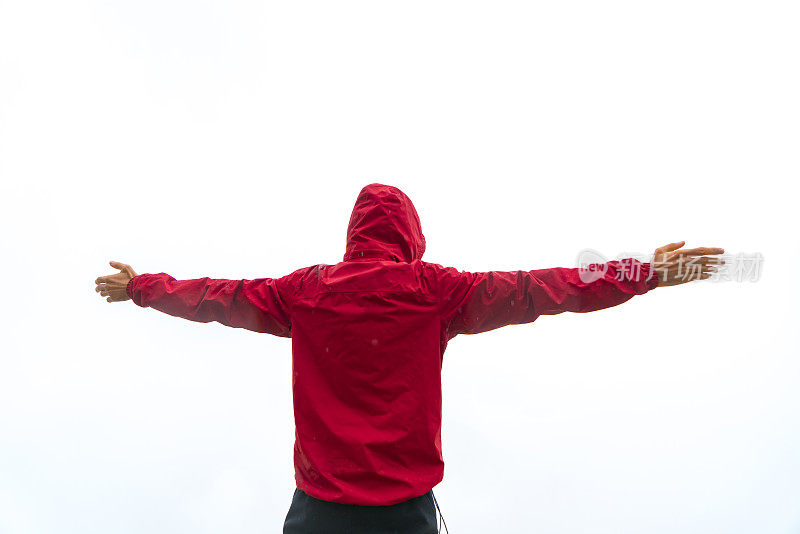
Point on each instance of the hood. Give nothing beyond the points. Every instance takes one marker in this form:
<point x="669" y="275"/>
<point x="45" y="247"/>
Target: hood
<point x="384" y="225"/>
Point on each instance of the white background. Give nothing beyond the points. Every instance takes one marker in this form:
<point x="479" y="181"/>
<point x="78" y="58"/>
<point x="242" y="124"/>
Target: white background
<point x="230" y="139"/>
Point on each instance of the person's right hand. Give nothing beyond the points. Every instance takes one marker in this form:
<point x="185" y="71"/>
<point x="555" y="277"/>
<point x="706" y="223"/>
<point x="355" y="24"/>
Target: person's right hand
<point x="114" y="286"/>
<point x="676" y="266"/>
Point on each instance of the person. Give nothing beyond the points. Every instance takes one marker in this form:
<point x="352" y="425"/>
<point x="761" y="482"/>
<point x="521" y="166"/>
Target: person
<point x="368" y="338"/>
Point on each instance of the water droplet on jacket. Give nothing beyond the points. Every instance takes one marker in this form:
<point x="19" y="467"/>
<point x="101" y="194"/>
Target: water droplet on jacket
<point x="327" y="349"/>
<point x="374" y="341"/>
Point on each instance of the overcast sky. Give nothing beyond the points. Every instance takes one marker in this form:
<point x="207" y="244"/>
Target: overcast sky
<point x="230" y="139"/>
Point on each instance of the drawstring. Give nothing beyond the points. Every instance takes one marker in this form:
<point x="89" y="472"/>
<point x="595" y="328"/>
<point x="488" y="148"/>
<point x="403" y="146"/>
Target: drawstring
<point x="441" y="517"/>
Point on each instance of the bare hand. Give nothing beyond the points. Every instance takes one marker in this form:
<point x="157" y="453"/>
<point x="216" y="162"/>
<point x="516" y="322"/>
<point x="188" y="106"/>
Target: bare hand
<point x="114" y="286"/>
<point x="676" y="266"/>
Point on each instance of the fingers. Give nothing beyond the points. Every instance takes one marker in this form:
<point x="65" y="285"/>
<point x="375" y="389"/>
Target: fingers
<point x="663" y="251"/>
<point x="689" y="261"/>
<point x="676" y="274"/>
<point x="103" y="290"/>
<point x="107" y="290"/>
<point x="688" y="271"/>
<point x="699" y="251"/>
<point x="110" y="284"/>
<point x="702" y="275"/>
<point x="114" y="286"/>
<point x="677" y="266"/>
<point x="706" y="260"/>
<point x="124" y="267"/>
<point x="113" y="295"/>
<point x="670" y="247"/>
<point x="691" y="267"/>
<point x="110" y="279"/>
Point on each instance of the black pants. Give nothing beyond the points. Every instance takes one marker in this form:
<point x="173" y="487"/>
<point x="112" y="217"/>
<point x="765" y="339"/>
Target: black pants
<point x="308" y="515"/>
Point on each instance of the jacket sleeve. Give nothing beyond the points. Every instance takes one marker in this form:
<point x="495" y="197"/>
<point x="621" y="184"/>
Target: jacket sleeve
<point x="474" y="302"/>
<point x="256" y="305"/>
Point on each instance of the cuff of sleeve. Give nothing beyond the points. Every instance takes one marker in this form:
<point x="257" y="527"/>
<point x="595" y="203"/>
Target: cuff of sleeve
<point x="129" y="287"/>
<point x="650" y="276"/>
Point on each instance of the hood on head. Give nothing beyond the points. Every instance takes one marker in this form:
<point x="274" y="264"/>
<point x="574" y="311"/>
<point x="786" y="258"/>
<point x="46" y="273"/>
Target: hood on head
<point x="384" y="225"/>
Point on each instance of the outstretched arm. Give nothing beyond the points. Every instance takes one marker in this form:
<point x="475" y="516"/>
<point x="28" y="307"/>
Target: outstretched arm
<point x="482" y="301"/>
<point x="252" y="304"/>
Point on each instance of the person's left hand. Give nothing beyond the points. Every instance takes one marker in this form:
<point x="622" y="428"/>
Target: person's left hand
<point x="676" y="265"/>
<point x="113" y="286"/>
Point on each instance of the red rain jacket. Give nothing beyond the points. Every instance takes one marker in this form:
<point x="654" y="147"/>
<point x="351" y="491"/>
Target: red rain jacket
<point x="368" y="336"/>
